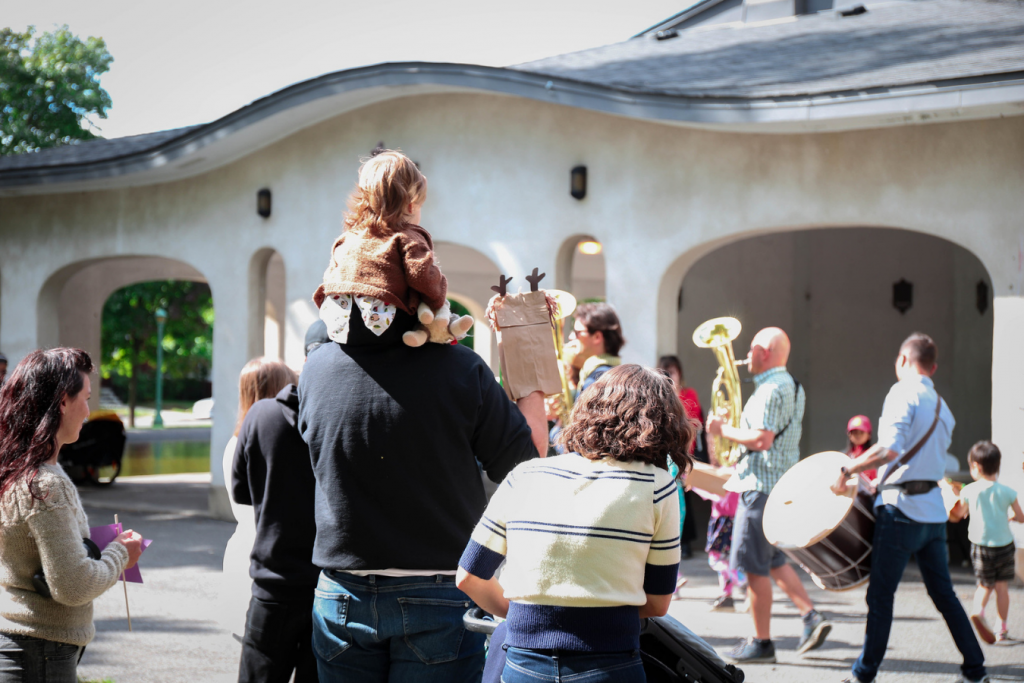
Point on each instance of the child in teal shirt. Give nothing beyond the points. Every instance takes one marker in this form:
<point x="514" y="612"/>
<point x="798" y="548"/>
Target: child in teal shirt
<point x="992" y="549"/>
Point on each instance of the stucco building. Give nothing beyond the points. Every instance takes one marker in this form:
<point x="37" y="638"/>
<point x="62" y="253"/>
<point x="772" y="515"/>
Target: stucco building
<point x="780" y="161"/>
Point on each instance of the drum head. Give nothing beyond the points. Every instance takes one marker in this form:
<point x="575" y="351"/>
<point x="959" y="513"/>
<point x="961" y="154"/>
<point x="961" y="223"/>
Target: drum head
<point x="802" y="509"/>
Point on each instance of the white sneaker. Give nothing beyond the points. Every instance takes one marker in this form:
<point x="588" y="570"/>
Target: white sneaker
<point x="965" y="679"/>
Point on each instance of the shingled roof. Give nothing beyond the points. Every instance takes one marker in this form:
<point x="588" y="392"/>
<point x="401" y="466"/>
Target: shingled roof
<point x="807" y="70"/>
<point x="892" y="44"/>
<point x="92" y="150"/>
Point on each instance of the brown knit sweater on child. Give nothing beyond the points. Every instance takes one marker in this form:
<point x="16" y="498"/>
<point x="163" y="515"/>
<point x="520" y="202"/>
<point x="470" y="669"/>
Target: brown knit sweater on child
<point x="48" y="534"/>
<point x="398" y="268"/>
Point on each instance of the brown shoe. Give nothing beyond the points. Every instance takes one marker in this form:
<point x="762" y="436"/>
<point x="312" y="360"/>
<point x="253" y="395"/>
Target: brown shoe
<point x="984" y="632"/>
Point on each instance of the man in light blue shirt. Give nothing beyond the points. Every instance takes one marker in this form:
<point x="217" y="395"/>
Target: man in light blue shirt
<point x="909" y="515"/>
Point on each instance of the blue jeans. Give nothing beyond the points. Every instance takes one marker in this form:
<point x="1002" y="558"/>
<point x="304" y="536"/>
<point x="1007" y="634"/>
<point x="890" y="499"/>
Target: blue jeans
<point x="896" y="538"/>
<point x="532" y="666"/>
<point x="24" y="659"/>
<point x="379" y="629"/>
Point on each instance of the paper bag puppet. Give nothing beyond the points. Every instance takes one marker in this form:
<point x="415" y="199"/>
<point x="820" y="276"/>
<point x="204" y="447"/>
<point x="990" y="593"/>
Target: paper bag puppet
<point x="526" y="340"/>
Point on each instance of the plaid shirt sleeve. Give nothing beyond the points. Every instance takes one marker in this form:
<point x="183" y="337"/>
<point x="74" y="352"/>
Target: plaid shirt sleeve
<point x="773" y="409"/>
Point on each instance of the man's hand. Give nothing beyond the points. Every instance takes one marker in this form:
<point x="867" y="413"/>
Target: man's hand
<point x="714" y="425"/>
<point x="841" y="485"/>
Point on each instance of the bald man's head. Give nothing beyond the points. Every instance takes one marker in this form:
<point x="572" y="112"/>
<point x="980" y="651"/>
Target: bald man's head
<point x="768" y="349"/>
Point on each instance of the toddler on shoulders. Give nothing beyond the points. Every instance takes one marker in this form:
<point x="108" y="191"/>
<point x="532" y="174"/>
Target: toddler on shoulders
<point x="384" y="261"/>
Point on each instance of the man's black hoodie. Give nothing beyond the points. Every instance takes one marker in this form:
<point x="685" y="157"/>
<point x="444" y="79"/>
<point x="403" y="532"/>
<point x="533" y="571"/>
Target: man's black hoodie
<point x="395" y="434"/>
<point x="272" y="472"/>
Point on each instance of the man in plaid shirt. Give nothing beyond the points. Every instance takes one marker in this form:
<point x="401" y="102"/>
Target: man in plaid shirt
<point x="769" y="433"/>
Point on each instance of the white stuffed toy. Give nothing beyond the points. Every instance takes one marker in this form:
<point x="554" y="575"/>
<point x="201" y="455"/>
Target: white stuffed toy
<point x="440" y="326"/>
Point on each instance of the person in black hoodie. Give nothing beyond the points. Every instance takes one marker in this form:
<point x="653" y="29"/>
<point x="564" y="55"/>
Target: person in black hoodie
<point x="395" y="434"/>
<point x="272" y="472"/>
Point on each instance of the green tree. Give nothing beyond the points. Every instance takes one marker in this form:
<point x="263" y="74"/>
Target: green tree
<point x="129" y="332"/>
<point x="48" y="84"/>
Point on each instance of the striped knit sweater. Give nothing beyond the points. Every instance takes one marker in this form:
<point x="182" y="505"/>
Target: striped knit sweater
<point x="585" y="541"/>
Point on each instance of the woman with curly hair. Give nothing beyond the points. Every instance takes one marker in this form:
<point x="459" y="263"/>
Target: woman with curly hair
<point x="49" y="572"/>
<point x="591" y="538"/>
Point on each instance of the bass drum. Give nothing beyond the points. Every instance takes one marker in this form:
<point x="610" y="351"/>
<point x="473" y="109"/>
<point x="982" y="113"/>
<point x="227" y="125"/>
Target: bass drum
<point x="829" y="535"/>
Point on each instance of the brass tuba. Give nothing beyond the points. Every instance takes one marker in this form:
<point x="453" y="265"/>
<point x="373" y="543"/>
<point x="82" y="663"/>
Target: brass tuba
<point x="566" y="304"/>
<point x="726" y="401"/>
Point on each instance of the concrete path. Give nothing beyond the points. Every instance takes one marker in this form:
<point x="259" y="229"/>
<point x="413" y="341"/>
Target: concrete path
<point x="920" y="649"/>
<point x="177" y="637"/>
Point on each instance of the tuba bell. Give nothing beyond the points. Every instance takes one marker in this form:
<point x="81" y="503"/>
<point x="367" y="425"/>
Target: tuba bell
<point x="726" y="401"/>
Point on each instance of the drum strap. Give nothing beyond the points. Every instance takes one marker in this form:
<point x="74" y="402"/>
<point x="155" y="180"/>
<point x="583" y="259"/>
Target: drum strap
<point x="913" y="451"/>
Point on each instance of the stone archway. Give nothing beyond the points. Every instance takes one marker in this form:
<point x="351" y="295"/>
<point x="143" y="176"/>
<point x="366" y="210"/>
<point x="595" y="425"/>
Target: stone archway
<point x="832" y="290"/>
<point x="70" y="303"/>
<point x="581" y="271"/>
<point x="267" y="302"/>
<point x="470" y="275"/>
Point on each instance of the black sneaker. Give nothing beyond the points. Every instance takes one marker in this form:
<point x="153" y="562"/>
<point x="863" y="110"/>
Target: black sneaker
<point x="724" y="603"/>
<point x="815" y="632"/>
<point x="752" y="651"/>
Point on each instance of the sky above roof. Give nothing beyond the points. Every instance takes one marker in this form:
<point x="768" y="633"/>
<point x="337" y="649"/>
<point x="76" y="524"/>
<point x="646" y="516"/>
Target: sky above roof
<point x="193" y="61"/>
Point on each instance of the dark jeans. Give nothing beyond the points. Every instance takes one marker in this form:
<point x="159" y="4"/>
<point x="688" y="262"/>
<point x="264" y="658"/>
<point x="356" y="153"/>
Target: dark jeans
<point x="532" y="666"/>
<point x="24" y="659"/>
<point x="379" y="629"/>
<point x="278" y="639"/>
<point x="896" y="538"/>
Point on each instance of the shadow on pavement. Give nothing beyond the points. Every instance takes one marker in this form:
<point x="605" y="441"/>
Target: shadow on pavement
<point x="142" y="494"/>
<point x="198" y="542"/>
<point x="156" y="624"/>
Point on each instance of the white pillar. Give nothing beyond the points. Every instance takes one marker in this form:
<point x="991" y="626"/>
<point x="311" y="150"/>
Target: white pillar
<point x="1008" y="397"/>
<point x="19" y="297"/>
<point x="230" y="346"/>
<point x="632" y="288"/>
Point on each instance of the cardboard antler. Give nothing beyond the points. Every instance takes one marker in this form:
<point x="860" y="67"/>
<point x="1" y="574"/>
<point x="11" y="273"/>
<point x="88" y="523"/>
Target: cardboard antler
<point x="502" y="287"/>
<point x="535" y="279"/>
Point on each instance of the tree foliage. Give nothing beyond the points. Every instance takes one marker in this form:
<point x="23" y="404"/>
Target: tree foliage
<point x="48" y="84"/>
<point x="129" y="332"/>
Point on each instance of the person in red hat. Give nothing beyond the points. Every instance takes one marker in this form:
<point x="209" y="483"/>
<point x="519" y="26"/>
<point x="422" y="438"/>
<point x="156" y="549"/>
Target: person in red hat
<point x="858" y="434"/>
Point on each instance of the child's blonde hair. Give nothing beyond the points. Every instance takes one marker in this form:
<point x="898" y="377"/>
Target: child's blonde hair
<point x="388" y="183"/>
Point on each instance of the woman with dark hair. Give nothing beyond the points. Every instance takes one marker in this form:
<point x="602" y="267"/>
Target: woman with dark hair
<point x="591" y="537"/>
<point x="47" y="578"/>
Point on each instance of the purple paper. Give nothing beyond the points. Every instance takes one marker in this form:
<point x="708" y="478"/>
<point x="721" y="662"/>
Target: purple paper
<point x="103" y="535"/>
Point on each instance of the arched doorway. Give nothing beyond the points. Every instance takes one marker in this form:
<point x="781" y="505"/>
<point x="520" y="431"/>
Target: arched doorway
<point x="470" y="275"/>
<point x="832" y="290"/>
<point x="581" y="268"/>
<point x="267" y="302"/>
<point x="70" y="313"/>
<point x="70" y="303"/>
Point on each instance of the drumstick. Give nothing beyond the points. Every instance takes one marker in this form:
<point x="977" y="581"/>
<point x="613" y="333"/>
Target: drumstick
<point x="125" y="584"/>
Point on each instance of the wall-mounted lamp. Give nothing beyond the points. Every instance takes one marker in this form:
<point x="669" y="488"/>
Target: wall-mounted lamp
<point x="263" y="203"/>
<point x="590" y="248"/>
<point x="578" y="182"/>
<point x="903" y="296"/>
<point x="982" y="296"/>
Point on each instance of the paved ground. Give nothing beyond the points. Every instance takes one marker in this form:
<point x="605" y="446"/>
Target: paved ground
<point x="177" y="638"/>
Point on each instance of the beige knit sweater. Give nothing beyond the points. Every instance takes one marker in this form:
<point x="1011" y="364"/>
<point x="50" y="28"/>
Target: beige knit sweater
<point x="48" y="533"/>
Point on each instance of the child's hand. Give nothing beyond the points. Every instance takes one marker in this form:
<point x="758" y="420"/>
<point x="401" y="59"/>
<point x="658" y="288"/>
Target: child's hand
<point x="1018" y="514"/>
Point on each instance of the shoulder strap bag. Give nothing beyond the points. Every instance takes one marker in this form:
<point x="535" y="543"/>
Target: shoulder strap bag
<point x="796" y="397"/>
<point x="913" y="451"/>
